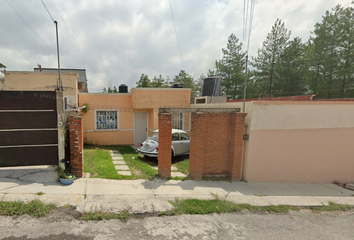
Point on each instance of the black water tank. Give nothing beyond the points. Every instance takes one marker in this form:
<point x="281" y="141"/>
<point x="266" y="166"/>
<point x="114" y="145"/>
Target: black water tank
<point x="123" y="88"/>
<point x="177" y="85"/>
<point x="211" y="86"/>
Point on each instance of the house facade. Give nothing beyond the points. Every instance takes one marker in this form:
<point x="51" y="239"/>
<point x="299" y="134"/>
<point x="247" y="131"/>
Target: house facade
<point x="128" y="118"/>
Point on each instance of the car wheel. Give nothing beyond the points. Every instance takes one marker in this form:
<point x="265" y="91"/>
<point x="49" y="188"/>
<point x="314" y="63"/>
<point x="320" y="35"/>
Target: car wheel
<point x="172" y="154"/>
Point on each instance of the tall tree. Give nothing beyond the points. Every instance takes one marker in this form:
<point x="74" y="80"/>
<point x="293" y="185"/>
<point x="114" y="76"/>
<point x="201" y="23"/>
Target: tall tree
<point x="158" y="82"/>
<point x="231" y="68"/>
<point x="291" y="70"/>
<point x="331" y="54"/>
<point x="143" y="82"/>
<point x="187" y="81"/>
<point x="266" y="60"/>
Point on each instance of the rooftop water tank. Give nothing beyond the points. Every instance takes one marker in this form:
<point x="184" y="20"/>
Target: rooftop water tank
<point x="123" y="88"/>
<point x="211" y="86"/>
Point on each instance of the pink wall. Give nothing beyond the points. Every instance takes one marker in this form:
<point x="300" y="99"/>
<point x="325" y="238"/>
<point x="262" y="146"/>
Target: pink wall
<point x="306" y="155"/>
<point x="300" y="142"/>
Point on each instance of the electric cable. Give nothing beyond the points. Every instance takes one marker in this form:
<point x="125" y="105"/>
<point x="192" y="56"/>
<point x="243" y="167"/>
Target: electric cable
<point x="179" y="47"/>
<point x="50" y="15"/>
<point x="30" y="27"/>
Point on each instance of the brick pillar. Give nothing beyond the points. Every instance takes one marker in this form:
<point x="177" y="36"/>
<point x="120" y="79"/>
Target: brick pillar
<point x="76" y="145"/>
<point x="197" y="145"/>
<point x="165" y="143"/>
<point x="237" y="130"/>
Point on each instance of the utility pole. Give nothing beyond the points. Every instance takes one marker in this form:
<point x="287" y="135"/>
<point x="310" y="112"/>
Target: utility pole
<point x="56" y="28"/>
<point x="245" y="85"/>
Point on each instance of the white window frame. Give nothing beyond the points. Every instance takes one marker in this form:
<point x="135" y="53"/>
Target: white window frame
<point x="107" y="110"/>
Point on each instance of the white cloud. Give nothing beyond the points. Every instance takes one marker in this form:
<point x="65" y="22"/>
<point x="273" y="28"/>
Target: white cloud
<point x="117" y="41"/>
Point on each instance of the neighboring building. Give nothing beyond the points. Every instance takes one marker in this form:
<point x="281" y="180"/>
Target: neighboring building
<point x="298" y="141"/>
<point x="81" y="81"/>
<point x="42" y="81"/>
<point x="128" y="118"/>
<point x="2" y="70"/>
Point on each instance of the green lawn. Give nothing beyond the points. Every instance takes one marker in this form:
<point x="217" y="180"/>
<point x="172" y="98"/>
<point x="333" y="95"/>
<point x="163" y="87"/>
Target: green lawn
<point x="98" y="162"/>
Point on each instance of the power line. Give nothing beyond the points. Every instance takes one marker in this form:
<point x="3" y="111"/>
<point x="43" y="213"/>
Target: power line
<point x="47" y="11"/>
<point x="248" y="45"/>
<point x="30" y="27"/>
<point x="34" y="31"/>
<point x="173" y="20"/>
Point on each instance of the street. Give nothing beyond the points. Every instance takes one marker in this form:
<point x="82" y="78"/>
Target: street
<point x="295" y="225"/>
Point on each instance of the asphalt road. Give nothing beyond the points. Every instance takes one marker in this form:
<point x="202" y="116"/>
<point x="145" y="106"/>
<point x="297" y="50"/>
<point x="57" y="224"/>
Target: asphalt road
<point x="297" y="225"/>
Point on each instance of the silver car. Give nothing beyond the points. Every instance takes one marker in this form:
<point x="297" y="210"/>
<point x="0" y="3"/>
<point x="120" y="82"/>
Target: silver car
<point x="180" y="144"/>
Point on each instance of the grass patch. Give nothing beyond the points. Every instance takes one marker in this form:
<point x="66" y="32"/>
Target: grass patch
<point x="100" y="215"/>
<point x="332" y="207"/>
<point x="40" y="193"/>
<point x="98" y="163"/>
<point x="183" y="166"/>
<point x="34" y="208"/>
<point x="196" y="206"/>
<point x="279" y="208"/>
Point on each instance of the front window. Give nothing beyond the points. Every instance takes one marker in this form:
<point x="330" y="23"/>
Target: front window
<point x="106" y="120"/>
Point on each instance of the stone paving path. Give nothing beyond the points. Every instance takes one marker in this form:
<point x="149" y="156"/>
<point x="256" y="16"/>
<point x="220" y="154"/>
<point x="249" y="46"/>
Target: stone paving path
<point x="119" y="163"/>
<point x="123" y="169"/>
<point x="174" y="172"/>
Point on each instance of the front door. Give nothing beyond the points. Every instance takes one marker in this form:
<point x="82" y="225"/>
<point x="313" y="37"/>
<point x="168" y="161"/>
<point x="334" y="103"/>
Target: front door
<point x="140" y="126"/>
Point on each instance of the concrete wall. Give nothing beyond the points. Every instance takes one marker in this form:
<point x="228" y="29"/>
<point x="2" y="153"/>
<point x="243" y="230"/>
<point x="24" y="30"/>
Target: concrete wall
<point x="160" y="97"/>
<point x="144" y="99"/>
<point x="40" y="81"/>
<point x="301" y="142"/>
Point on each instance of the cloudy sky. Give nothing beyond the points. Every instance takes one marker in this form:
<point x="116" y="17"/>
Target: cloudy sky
<point x="116" y="41"/>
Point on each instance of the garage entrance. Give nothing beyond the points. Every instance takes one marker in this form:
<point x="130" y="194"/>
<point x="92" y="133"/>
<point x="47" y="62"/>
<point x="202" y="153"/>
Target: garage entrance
<point x="28" y="128"/>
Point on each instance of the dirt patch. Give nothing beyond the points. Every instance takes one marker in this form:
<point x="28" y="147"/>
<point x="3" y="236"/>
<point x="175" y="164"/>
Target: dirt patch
<point x="61" y="214"/>
<point x="136" y="172"/>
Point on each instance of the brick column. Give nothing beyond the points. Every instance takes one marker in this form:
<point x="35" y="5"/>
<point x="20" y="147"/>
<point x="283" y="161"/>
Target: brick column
<point x="197" y="146"/>
<point x="76" y="145"/>
<point x="165" y="143"/>
<point x="237" y="130"/>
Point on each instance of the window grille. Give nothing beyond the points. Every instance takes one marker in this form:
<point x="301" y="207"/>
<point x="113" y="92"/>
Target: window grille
<point x="177" y="120"/>
<point x="106" y="120"/>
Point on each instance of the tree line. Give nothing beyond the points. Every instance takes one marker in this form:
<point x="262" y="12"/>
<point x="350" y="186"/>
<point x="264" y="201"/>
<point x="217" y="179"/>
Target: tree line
<point x="284" y="66"/>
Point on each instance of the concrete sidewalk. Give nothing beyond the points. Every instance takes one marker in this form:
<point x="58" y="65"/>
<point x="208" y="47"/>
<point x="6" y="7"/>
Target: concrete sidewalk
<point x="140" y="196"/>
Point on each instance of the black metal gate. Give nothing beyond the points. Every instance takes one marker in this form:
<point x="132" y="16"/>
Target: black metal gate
<point x="28" y="128"/>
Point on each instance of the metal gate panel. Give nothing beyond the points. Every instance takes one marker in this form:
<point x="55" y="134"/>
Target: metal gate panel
<point x="28" y="128"/>
<point x="29" y="156"/>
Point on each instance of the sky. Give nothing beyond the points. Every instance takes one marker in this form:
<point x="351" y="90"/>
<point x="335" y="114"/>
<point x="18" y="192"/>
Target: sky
<point x="116" y="41"/>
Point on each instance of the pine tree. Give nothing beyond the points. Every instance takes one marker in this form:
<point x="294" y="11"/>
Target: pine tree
<point x="231" y="68"/>
<point x="266" y="60"/>
<point x="143" y="82"/>
<point x="331" y="54"/>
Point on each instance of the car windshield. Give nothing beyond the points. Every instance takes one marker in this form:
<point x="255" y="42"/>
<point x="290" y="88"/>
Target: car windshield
<point x="154" y="135"/>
